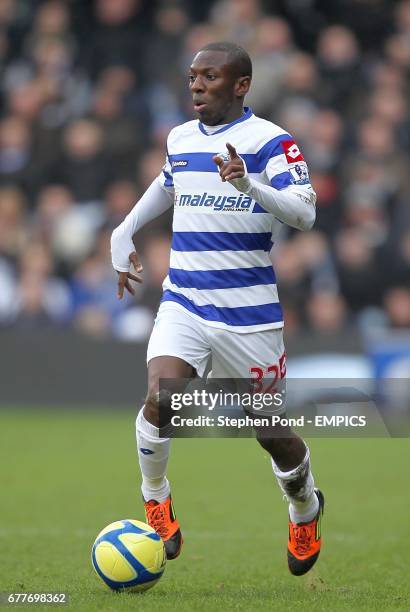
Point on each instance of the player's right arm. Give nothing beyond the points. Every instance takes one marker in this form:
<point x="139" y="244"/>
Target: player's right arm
<point x="157" y="199"/>
<point x="290" y="196"/>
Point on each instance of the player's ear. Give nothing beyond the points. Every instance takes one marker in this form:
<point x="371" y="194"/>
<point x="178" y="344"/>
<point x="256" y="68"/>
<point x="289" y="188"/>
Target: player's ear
<point x="242" y="86"/>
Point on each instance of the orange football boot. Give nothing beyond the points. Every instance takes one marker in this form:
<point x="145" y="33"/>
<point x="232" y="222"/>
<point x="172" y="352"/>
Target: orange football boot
<point x="161" y="517"/>
<point x="305" y="540"/>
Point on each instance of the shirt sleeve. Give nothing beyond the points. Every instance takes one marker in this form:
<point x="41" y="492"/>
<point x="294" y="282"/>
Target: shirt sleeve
<point x="156" y="200"/>
<point x="287" y="166"/>
<point x="290" y="196"/>
<point x="165" y="177"/>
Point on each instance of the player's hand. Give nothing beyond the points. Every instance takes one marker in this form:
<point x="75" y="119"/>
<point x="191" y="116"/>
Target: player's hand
<point x="125" y="277"/>
<point x="233" y="168"/>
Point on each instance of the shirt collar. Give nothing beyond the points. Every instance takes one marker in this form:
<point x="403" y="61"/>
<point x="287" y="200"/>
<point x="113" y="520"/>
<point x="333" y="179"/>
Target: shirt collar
<point x="246" y="114"/>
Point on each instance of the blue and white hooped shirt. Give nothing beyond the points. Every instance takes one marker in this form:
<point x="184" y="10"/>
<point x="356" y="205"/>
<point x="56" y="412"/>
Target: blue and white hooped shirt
<point x="220" y="269"/>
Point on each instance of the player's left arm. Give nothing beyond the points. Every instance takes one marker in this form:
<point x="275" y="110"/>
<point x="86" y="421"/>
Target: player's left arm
<point x="293" y="199"/>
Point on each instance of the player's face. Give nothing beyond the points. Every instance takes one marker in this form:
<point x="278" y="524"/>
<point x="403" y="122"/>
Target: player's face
<point x="217" y="95"/>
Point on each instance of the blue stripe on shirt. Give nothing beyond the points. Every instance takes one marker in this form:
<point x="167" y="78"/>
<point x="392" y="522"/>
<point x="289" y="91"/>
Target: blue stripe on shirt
<point x="242" y="315"/>
<point x="280" y="181"/>
<point x="222" y="279"/>
<point x="195" y="162"/>
<point x="221" y="241"/>
<point x="258" y="209"/>
<point x="273" y="148"/>
<point x="203" y="162"/>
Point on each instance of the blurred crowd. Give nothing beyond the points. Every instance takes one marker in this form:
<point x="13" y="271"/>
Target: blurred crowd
<point x="89" y="92"/>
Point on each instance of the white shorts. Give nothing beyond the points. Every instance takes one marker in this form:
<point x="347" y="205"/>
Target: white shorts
<point x="255" y="355"/>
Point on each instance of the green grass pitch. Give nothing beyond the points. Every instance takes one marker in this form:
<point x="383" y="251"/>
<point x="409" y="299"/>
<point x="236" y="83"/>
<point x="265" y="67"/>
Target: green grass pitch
<point x="65" y="475"/>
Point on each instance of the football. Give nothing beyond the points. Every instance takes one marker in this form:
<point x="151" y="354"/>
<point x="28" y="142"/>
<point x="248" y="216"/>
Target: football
<point x="129" y="555"/>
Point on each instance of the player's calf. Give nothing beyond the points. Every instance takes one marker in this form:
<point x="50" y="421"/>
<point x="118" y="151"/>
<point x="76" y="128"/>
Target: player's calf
<point x="305" y="514"/>
<point x="305" y="502"/>
<point x="153" y="453"/>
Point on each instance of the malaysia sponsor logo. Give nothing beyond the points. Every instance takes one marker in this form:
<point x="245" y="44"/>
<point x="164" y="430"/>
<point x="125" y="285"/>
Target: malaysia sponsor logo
<point x="299" y="174"/>
<point x="179" y="162"/>
<point x="292" y="151"/>
<point x="239" y="203"/>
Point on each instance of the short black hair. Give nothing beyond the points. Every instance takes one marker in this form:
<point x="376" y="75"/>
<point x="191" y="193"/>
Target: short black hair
<point x="237" y="57"/>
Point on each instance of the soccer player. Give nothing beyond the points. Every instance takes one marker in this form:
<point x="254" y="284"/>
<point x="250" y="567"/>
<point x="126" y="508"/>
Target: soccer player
<point x="233" y="179"/>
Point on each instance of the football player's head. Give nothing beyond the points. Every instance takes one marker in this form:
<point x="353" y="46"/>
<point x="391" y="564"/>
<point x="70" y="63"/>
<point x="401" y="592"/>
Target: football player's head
<point x="219" y="78"/>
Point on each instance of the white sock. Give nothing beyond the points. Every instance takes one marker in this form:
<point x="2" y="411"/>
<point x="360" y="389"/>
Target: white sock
<point x="298" y="487"/>
<point x="153" y="453"/>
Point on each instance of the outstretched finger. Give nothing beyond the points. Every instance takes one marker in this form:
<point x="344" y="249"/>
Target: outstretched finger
<point x="137" y="279"/>
<point x="232" y="151"/>
<point x="121" y="284"/>
<point x="129" y="287"/>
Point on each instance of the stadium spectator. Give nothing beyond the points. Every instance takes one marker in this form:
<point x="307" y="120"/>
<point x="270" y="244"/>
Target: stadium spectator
<point x="116" y="37"/>
<point x="41" y="298"/>
<point x="123" y="135"/>
<point x="17" y="164"/>
<point x="117" y="201"/>
<point x="339" y="65"/>
<point x="272" y="50"/>
<point x="93" y="283"/>
<point x="52" y="203"/>
<point x="83" y="166"/>
<point x="13" y="223"/>
<point x="361" y="282"/>
<point x="326" y="312"/>
<point x="397" y="302"/>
